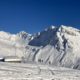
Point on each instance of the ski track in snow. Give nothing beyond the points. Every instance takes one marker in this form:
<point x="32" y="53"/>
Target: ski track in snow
<point x="21" y="71"/>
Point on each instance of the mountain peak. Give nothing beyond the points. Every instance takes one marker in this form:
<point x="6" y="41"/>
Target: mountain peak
<point x="23" y="34"/>
<point x="69" y="30"/>
<point x="51" y="27"/>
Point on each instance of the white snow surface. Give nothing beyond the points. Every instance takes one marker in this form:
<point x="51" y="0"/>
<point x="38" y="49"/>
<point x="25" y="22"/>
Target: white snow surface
<point x="30" y="71"/>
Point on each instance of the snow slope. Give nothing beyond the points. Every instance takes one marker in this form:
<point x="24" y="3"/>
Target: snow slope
<point x="16" y="71"/>
<point x="57" y="46"/>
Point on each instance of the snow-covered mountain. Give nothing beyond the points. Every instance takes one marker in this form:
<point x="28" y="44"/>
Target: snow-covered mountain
<point x="59" y="46"/>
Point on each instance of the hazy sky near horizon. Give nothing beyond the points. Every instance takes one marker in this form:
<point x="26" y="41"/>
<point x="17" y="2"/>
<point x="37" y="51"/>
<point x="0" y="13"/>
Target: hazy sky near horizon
<point x="35" y="15"/>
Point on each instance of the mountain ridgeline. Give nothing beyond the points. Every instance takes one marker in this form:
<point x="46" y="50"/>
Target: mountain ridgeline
<point x="58" y="46"/>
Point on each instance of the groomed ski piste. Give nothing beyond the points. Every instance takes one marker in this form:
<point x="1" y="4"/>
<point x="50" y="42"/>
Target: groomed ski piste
<point x="30" y="71"/>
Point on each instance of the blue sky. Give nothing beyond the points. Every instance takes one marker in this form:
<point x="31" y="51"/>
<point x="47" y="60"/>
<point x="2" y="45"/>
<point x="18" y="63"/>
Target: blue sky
<point x="35" y="15"/>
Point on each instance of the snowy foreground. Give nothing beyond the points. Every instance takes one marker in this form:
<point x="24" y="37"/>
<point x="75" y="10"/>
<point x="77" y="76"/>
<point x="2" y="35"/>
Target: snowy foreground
<point x="29" y="71"/>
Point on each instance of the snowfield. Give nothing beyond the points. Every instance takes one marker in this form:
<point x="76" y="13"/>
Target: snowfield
<point x="21" y="71"/>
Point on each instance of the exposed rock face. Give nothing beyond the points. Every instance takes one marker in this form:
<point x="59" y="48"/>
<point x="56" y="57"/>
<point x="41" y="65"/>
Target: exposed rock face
<point x="58" y="46"/>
